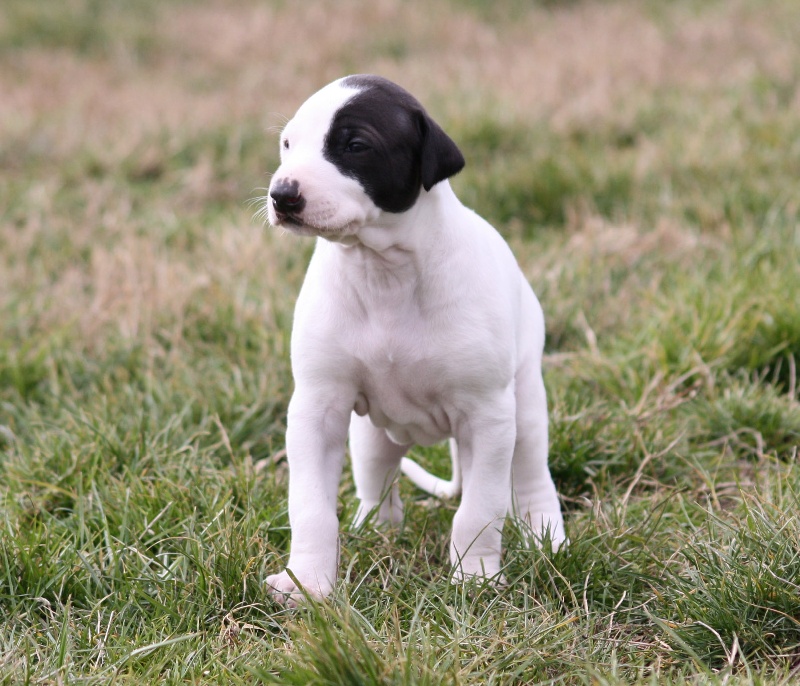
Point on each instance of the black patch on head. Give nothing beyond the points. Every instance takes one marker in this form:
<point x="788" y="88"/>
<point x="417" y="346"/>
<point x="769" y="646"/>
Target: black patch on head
<point x="383" y="138"/>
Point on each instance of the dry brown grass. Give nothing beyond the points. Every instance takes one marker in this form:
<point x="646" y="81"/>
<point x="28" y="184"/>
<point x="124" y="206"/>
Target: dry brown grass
<point x="222" y="61"/>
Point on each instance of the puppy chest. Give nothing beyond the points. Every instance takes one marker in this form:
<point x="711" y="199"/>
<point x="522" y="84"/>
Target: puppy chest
<point x="394" y="376"/>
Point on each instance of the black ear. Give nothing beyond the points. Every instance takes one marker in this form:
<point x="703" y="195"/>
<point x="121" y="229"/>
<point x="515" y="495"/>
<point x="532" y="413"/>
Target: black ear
<point x="440" y="157"/>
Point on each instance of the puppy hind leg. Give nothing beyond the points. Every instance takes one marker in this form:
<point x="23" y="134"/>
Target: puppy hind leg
<point x="376" y="461"/>
<point x="534" y="496"/>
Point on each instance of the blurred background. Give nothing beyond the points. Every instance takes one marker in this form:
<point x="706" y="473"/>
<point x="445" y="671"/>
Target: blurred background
<point x="158" y="120"/>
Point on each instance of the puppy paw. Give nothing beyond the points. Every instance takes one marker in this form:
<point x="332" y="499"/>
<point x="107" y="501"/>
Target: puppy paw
<point x="479" y="570"/>
<point x="383" y="515"/>
<point x="540" y="527"/>
<point x="497" y="581"/>
<point x="287" y="591"/>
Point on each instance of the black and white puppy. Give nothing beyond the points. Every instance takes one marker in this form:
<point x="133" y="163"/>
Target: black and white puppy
<point x="414" y="325"/>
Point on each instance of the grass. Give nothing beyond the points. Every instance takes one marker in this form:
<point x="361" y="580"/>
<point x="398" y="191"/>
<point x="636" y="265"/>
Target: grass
<point x="649" y="189"/>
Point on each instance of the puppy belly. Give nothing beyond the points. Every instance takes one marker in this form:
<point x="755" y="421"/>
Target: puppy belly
<point x="414" y="434"/>
<point x="426" y="430"/>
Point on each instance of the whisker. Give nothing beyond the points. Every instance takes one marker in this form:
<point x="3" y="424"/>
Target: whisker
<point x="277" y="128"/>
<point x="261" y="203"/>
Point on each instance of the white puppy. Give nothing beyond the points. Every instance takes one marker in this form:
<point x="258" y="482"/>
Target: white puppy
<point x="414" y="325"/>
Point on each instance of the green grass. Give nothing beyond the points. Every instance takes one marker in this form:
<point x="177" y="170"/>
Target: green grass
<point x="144" y="364"/>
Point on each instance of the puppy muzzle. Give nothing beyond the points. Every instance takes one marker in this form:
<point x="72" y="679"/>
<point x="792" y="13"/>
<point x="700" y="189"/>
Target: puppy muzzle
<point x="287" y="200"/>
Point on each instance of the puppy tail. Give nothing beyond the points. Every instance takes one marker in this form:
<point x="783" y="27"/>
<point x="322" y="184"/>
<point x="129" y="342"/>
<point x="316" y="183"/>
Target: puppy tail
<point x="441" y="488"/>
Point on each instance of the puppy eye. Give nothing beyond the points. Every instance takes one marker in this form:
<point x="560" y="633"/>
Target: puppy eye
<point x="356" y="146"/>
<point x="285" y="143"/>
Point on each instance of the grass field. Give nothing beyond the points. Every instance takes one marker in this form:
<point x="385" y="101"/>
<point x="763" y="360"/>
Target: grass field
<point x="641" y="157"/>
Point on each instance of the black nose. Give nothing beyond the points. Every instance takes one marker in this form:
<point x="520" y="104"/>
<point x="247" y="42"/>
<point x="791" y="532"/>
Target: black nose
<point x="286" y="197"/>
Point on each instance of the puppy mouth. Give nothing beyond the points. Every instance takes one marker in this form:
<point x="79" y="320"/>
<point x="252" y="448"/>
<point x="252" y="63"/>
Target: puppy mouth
<point x="284" y="218"/>
<point x="314" y="225"/>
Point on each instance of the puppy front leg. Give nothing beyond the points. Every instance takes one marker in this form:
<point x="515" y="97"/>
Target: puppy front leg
<point x="315" y="440"/>
<point x="485" y="448"/>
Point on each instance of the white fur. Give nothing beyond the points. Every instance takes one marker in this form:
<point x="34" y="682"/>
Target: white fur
<point x="410" y="328"/>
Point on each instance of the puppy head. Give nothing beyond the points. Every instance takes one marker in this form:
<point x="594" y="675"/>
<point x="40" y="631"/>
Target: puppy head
<point x="359" y="147"/>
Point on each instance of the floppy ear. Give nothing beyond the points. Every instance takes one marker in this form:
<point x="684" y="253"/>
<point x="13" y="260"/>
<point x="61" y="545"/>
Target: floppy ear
<point x="440" y="157"/>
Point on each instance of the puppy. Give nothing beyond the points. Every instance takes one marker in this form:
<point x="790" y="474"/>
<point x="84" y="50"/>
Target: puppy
<point x="414" y="325"/>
